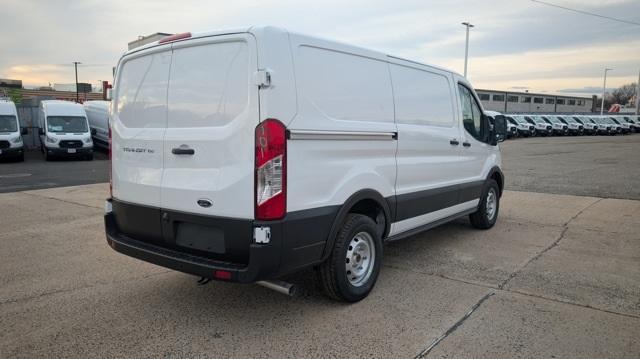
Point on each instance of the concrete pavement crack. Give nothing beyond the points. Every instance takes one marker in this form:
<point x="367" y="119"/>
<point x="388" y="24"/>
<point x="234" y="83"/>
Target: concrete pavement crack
<point x="61" y="200"/>
<point x="453" y="328"/>
<point x="565" y="228"/>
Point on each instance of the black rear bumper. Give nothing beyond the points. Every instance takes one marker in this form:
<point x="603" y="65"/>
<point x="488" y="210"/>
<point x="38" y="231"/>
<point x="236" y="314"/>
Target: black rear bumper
<point x="297" y="241"/>
<point x="264" y="259"/>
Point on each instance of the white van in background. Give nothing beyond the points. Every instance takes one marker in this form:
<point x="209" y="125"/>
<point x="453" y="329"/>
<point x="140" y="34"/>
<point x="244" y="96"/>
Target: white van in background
<point x="11" y="144"/>
<point x="248" y="154"/>
<point x="98" y="116"/>
<point x="64" y="130"/>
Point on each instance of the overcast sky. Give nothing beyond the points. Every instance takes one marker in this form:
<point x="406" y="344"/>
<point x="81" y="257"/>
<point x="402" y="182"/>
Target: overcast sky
<point x="516" y="44"/>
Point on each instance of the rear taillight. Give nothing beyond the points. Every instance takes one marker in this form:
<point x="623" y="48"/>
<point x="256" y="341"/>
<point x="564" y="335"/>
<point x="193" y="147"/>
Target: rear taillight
<point x="110" y="167"/>
<point x="270" y="170"/>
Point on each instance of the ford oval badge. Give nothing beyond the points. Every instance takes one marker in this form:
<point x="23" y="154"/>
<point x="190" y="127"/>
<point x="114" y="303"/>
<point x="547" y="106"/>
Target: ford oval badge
<point x="204" y="203"/>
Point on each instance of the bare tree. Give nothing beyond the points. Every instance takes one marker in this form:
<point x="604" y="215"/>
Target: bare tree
<point x="623" y="94"/>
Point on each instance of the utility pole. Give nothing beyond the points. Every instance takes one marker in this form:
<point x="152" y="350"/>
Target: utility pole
<point x="604" y="88"/>
<point x="466" y="47"/>
<point x="76" y="63"/>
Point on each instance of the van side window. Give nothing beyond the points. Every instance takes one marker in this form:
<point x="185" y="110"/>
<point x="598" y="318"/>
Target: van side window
<point x="471" y="114"/>
<point x="422" y="97"/>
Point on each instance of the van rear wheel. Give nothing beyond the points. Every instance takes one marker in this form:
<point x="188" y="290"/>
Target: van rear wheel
<point x="487" y="214"/>
<point x="351" y="270"/>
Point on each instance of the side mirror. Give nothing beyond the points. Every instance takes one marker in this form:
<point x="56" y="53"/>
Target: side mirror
<point x="24" y="131"/>
<point x="93" y="132"/>
<point x="41" y="131"/>
<point x="499" y="129"/>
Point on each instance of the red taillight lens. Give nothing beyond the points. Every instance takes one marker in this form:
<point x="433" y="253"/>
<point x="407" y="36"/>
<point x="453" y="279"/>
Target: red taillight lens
<point x="270" y="170"/>
<point x="110" y="167"/>
<point x="222" y="274"/>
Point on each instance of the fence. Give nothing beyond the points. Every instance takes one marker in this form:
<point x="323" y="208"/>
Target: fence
<point x="28" y="117"/>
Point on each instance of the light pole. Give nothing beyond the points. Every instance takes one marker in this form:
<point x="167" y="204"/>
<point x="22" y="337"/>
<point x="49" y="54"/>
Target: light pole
<point x="604" y="88"/>
<point x="466" y="47"/>
<point x="638" y="95"/>
<point x="76" y="63"/>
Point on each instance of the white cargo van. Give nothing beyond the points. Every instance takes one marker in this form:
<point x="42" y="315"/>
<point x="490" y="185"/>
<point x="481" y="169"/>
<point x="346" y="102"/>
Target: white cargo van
<point x="249" y="154"/>
<point x="64" y="130"/>
<point x="98" y="116"/>
<point x="11" y="144"/>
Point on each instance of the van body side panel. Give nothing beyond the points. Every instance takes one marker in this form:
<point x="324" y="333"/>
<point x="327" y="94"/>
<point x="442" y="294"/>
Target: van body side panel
<point x="342" y="139"/>
<point x="430" y="170"/>
<point x="212" y="110"/>
<point x="98" y="116"/>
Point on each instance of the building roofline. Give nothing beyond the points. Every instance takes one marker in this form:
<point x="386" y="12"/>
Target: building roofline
<point x="534" y="94"/>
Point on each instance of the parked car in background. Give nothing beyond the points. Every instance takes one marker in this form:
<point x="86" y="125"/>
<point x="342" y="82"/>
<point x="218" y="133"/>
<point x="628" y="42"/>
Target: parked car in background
<point x="557" y="127"/>
<point x="633" y="126"/>
<point x="626" y="127"/>
<point x="512" y="130"/>
<point x="542" y="128"/>
<point x="218" y="186"/>
<point x="574" y="127"/>
<point x="530" y="125"/>
<point x="614" y="128"/>
<point x="589" y="126"/>
<point x="98" y="116"/>
<point x="64" y="130"/>
<point x="525" y="129"/>
<point x="11" y="144"/>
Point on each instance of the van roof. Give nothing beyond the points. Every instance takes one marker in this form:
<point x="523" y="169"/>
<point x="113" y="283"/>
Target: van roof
<point x="262" y="29"/>
<point x="60" y="107"/>
<point x="7" y="108"/>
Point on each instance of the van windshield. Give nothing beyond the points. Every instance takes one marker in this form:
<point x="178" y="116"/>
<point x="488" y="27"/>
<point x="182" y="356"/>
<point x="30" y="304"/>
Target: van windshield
<point x="553" y="119"/>
<point x="8" y="123"/>
<point x="521" y="120"/>
<point x="539" y="120"/>
<point x="66" y="124"/>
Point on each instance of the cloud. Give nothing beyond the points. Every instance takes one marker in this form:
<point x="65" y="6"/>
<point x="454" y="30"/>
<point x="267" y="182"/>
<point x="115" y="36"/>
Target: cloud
<point x="514" y="43"/>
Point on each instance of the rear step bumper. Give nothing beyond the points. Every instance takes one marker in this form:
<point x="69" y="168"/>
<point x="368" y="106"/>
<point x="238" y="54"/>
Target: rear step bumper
<point x="263" y="261"/>
<point x="296" y="242"/>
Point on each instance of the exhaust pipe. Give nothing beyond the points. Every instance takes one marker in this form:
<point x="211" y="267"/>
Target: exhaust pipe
<point x="278" y="286"/>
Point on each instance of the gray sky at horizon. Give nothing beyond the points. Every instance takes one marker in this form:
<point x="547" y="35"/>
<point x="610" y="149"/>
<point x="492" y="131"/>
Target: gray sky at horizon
<point x="516" y="44"/>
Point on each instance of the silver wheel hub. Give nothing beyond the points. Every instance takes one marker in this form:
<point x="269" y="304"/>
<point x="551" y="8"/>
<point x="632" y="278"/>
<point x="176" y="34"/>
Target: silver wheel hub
<point x="360" y="259"/>
<point x="491" y="204"/>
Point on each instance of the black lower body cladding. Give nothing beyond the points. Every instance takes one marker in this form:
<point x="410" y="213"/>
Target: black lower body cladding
<point x="201" y="245"/>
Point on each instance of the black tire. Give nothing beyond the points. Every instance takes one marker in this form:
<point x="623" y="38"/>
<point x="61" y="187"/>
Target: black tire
<point x="20" y="158"/>
<point x="47" y="157"/>
<point x="332" y="274"/>
<point x="89" y="157"/>
<point x="481" y="219"/>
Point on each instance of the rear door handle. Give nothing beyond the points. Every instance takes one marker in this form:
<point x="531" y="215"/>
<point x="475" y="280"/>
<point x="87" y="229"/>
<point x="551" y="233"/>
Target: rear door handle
<point x="454" y="142"/>
<point x="183" y="150"/>
<point x="466" y="144"/>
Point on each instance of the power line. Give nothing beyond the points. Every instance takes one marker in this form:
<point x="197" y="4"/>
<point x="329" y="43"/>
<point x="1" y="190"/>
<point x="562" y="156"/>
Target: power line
<point x="587" y="13"/>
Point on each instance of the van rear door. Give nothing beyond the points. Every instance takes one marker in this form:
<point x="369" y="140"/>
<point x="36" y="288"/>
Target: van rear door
<point x="212" y="115"/>
<point x="139" y="123"/>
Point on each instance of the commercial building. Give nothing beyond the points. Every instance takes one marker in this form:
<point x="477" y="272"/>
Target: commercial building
<point x="525" y="102"/>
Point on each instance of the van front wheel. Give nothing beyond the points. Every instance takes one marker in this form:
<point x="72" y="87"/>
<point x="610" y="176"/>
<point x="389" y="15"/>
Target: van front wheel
<point x="487" y="214"/>
<point x="351" y="270"/>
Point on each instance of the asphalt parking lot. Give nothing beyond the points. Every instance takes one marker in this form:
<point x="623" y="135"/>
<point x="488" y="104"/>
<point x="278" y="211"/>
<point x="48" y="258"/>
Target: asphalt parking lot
<point x="36" y="173"/>
<point x="557" y="277"/>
